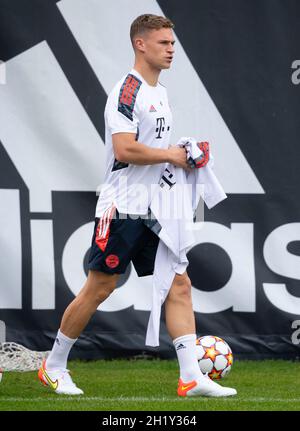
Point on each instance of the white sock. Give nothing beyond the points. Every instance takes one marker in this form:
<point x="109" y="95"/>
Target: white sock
<point x="185" y="347"/>
<point x="58" y="356"/>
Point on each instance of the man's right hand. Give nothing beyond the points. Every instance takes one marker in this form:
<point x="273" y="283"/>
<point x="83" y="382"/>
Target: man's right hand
<point x="177" y="156"/>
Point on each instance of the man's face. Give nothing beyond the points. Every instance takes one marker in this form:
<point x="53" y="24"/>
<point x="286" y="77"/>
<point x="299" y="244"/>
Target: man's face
<point x="158" y="47"/>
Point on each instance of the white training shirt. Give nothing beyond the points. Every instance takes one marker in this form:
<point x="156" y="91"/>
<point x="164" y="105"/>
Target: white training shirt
<point x="134" y="106"/>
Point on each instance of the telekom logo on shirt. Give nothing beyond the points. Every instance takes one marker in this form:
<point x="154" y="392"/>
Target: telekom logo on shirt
<point x="160" y="122"/>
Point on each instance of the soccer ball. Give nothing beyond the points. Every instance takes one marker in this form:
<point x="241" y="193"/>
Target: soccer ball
<point x="1" y="372"/>
<point x="214" y="356"/>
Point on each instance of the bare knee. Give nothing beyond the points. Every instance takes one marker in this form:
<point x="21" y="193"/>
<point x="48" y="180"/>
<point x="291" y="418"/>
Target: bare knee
<point x="99" y="286"/>
<point x="180" y="289"/>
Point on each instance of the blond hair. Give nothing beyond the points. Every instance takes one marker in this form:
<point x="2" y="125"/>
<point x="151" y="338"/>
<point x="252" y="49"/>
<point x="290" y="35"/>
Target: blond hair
<point x="148" y="22"/>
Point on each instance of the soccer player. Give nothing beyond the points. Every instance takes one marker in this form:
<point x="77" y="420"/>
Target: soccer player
<point x="138" y="124"/>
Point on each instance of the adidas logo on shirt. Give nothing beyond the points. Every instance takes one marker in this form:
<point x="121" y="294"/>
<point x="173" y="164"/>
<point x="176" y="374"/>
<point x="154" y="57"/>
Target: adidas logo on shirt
<point x="152" y="109"/>
<point x="181" y="346"/>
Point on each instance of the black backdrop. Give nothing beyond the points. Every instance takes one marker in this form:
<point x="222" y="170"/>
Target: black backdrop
<point x="243" y="51"/>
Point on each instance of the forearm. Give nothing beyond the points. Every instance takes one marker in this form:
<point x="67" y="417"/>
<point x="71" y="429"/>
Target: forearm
<point x="138" y="153"/>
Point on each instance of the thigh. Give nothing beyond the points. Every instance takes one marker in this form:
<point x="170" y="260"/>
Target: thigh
<point x="181" y="284"/>
<point x="181" y="278"/>
<point x="97" y="278"/>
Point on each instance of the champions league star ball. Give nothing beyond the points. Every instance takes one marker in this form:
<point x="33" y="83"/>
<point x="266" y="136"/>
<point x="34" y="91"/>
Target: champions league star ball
<point x="214" y="356"/>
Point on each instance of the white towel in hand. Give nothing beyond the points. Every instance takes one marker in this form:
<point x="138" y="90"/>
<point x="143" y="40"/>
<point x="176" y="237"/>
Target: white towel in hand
<point x="178" y="193"/>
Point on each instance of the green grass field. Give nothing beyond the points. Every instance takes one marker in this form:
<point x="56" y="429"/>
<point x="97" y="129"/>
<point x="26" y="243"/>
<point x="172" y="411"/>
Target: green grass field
<point x="151" y="385"/>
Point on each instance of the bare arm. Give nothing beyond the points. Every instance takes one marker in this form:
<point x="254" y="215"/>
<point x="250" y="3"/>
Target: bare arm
<point x="128" y="150"/>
